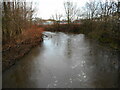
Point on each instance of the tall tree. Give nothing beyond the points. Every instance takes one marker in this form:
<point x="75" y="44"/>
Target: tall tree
<point x="16" y="16"/>
<point x="70" y="11"/>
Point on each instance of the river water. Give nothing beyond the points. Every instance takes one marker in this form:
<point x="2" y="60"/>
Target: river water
<point x="65" y="61"/>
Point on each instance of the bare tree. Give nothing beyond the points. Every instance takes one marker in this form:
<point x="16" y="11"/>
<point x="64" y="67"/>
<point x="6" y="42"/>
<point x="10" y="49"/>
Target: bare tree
<point x="92" y="7"/>
<point x="57" y="18"/>
<point x="70" y="11"/>
<point x="16" y="16"/>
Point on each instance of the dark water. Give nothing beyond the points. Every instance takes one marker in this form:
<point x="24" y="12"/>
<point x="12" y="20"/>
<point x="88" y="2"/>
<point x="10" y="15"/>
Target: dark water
<point x="65" y="61"/>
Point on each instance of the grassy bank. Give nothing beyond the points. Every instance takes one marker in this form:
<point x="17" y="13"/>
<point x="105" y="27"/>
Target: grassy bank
<point x="106" y="33"/>
<point x="104" y="38"/>
<point x="16" y="48"/>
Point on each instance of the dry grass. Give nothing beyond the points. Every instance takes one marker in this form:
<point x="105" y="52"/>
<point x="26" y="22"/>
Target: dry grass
<point x="28" y="36"/>
<point x="21" y="45"/>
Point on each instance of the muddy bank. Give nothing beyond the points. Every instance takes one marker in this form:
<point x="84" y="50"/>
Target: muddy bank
<point x="12" y="54"/>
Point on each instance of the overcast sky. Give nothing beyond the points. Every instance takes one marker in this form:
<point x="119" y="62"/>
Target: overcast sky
<point x="46" y="8"/>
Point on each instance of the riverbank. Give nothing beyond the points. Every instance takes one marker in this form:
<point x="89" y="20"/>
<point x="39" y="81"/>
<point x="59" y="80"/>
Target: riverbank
<point x="20" y="46"/>
<point x="109" y="42"/>
<point x="96" y="32"/>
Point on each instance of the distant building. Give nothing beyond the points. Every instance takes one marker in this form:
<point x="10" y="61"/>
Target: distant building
<point x="48" y="22"/>
<point x="39" y="21"/>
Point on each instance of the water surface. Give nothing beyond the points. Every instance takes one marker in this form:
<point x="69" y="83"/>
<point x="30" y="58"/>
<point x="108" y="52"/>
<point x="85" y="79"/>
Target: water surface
<point x="65" y="61"/>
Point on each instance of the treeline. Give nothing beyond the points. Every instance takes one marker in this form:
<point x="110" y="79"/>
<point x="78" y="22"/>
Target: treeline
<point x="101" y="21"/>
<point x="16" y="17"/>
<point x="19" y="34"/>
<point x="98" y="19"/>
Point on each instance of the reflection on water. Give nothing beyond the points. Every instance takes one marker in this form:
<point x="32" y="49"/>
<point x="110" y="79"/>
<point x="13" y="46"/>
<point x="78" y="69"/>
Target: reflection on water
<point x="67" y="61"/>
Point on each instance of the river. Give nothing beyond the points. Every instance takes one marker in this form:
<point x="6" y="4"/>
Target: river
<point x="65" y="61"/>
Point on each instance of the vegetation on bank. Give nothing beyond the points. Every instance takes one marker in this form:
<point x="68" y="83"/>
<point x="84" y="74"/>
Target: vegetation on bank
<point x="98" y="20"/>
<point x="19" y="34"/>
<point x="108" y="35"/>
<point x="17" y="48"/>
<point x="93" y="30"/>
